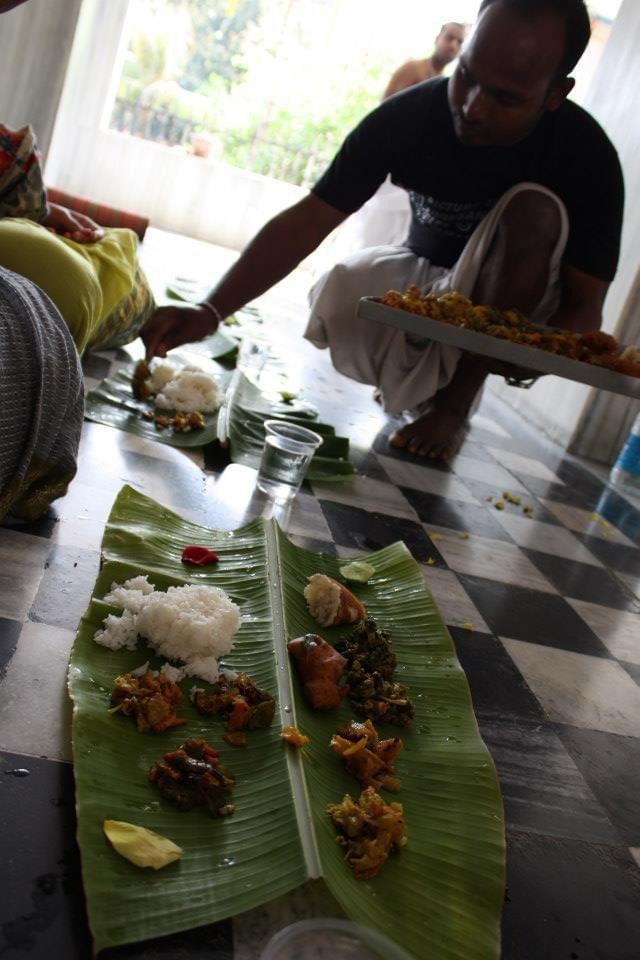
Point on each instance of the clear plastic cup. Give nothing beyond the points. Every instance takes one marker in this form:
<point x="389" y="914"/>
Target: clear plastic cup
<point x="252" y="356"/>
<point x="288" y="448"/>
<point x="328" y="939"/>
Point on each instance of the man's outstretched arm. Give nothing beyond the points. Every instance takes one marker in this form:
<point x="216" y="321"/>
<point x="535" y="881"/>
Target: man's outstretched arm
<point x="272" y="254"/>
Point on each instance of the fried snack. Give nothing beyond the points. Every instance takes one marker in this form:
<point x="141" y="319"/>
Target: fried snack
<point x="293" y="738"/>
<point x="367" y="758"/>
<point x="330" y="603"/>
<point x="599" y="342"/>
<point x="369" y="829"/>
<point x="594" y="347"/>
<point x="319" y="667"/>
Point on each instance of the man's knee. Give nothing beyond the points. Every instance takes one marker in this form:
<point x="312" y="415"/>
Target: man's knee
<point x="533" y="218"/>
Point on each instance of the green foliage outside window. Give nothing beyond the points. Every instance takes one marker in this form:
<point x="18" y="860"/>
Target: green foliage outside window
<point x="194" y="68"/>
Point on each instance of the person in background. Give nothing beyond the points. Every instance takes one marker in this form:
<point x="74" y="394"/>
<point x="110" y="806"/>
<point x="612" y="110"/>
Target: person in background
<point x="447" y="47"/>
<point x="500" y="168"/>
<point x="385" y="218"/>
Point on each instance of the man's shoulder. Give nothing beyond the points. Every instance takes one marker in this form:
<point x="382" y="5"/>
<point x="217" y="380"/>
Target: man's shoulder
<point x="577" y="127"/>
<point x="434" y="89"/>
<point x="424" y="97"/>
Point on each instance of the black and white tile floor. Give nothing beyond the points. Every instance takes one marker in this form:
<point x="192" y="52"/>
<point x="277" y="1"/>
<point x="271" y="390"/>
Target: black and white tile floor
<point x="544" y="612"/>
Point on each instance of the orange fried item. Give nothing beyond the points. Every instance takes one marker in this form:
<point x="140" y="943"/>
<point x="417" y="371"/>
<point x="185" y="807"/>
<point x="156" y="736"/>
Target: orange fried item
<point x="293" y="738"/>
<point x="330" y="603"/>
<point x="367" y="758"/>
<point x="319" y="667"/>
<point x="594" y="347"/>
<point x="597" y="341"/>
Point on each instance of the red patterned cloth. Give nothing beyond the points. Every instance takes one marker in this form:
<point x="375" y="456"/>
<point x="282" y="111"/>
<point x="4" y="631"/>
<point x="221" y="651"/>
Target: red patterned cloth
<point x="22" y="192"/>
<point x="100" y="212"/>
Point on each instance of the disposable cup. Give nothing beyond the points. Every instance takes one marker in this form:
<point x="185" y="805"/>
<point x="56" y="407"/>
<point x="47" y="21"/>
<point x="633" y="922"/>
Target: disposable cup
<point x="252" y="356"/>
<point x="329" y="939"/>
<point x="288" y="448"/>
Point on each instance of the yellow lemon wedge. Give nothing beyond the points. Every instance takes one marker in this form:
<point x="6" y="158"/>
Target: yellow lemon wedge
<point x="142" y="847"/>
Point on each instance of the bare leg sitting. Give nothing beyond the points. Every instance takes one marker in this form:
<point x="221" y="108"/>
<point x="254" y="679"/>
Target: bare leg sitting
<point x="514" y="274"/>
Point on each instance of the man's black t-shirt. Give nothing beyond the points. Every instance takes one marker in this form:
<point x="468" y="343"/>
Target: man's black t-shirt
<point x="451" y="187"/>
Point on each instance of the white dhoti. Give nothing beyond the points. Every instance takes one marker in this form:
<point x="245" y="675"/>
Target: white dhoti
<point x="407" y="369"/>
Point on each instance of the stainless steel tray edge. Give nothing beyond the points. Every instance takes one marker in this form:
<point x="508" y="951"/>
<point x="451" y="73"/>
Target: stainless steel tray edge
<point x="485" y="345"/>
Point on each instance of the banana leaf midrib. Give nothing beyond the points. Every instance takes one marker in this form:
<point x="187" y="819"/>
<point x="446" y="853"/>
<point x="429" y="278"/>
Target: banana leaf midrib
<point x="286" y="705"/>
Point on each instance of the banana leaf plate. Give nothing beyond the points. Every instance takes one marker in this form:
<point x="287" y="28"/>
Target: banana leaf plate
<point x="440" y="897"/>
<point x="248" y="408"/>
<point x="113" y="404"/>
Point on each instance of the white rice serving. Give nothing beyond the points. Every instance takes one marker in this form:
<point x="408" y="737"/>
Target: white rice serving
<point x="175" y="674"/>
<point x="190" y="390"/>
<point x="193" y="625"/>
<point x="130" y="594"/>
<point x="118" y="632"/>
<point x="161" y="373"/>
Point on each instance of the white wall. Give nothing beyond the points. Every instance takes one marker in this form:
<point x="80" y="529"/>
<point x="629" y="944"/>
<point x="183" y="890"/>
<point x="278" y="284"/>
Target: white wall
<point x="35" y="42"/>
<point x="184" y="194"/>
<point x="614" y="99"/>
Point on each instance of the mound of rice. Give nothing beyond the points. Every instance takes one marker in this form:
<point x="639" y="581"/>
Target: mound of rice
<point x="194" y="625"/>
<point x="118" y="632"/>
<point x="161" y="373"/>
<point x="129" y="595"/>
<point x="191" y="389"/>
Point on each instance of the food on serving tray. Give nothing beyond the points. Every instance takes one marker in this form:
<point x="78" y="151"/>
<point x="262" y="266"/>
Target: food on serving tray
<point x="367" y="758"/>
<point x="320" y="668"/>
<point x="238" y="700"/>
<point x="370" y="665"/>
<point x="330" y="603"/>
<point x="192" y="776"/>
<point x="150" y="700"/>
<point x="359" y="571"/>
<point x="293" y="738"/>
<point x="194" y="625"/>
<point x="187" y="389"/>
<point x="369" y="829"/>
<point x="142" y="847"/>
<point x="595" y="347"/>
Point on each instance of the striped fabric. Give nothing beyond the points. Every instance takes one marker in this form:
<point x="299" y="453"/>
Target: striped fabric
<point x="100" y="212"/>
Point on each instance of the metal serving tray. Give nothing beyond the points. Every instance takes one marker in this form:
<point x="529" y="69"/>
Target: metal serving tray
<point x="481" y="343"/>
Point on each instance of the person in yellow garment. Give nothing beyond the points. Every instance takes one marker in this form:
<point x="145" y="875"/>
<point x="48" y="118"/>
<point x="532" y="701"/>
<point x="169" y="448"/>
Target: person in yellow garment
<point x="91" y="275"/>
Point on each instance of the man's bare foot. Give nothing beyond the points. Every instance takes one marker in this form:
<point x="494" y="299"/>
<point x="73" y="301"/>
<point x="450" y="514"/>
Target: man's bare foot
<point x="436" y="434"/>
